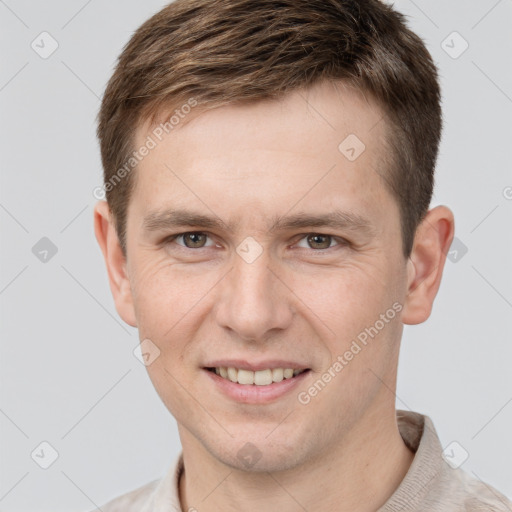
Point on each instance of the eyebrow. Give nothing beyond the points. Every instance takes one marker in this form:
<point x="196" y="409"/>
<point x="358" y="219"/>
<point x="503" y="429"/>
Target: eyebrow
<point x="337" y="219"/>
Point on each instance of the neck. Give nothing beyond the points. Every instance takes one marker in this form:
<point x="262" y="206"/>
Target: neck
<point x="358" y="475"/>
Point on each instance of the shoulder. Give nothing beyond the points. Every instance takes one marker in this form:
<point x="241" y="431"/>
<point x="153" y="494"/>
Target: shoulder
<point x="159" y="494"/>
<point x="482" y="497"/>
<point x="434" y="480"/>
<point x="458" y="490"/>
<point x="132" y="501"/>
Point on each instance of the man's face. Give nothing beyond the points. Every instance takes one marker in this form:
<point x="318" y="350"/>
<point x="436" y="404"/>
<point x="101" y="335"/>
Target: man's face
<point x="235" y="292"/>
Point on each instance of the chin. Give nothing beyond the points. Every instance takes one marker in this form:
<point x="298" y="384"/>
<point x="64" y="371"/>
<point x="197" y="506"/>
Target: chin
<point x="259" y="453"/>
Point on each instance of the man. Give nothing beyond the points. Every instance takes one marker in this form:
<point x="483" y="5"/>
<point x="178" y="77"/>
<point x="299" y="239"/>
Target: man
<point x="269" y="170"/>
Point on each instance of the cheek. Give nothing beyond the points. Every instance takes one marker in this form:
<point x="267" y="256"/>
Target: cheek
<point x="164" y="294"/>
<point x="172" y="303"/>
<point x="168" y="380"/>
<point x="346" y="305"/>
<point x="345" y="298"/>
<point x="167" y="303"/>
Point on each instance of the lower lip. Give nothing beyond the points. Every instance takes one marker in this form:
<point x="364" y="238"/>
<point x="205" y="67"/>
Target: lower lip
<point x="252" y="394"/>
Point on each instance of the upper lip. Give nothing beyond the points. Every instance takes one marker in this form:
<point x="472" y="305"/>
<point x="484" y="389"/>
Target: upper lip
<point x="242" y="364"/>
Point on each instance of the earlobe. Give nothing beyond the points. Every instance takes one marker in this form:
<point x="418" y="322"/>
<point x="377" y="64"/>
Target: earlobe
<point x="426" y="262"/>
<point x="115" y="262"/>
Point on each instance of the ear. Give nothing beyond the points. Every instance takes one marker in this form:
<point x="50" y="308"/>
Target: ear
<point x="426" y="262"/>
<point x="115" y="261"/>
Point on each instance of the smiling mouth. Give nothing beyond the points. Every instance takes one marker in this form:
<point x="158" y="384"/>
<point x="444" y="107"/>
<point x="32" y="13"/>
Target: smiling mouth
<point x="258" y="378"/>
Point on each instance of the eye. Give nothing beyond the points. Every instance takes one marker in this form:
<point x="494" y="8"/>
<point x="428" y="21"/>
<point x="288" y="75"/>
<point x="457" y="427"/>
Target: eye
<point x="191" y="239"/>
<point x="198" y="240"/>
<point x="320" y="241"/>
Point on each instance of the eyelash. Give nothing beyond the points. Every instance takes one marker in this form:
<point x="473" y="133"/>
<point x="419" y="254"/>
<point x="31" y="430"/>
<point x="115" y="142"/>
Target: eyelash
<point x="341" y="242"/>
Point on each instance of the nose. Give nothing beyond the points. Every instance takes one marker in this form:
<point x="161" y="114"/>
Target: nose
<point x="254" y="302"/>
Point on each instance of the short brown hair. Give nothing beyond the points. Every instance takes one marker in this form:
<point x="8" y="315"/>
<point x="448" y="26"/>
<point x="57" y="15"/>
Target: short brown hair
<point x="222" y="52"/>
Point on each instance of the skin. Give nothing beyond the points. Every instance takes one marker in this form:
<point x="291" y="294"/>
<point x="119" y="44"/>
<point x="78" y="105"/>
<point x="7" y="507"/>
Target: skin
<point x="298" y="300"/>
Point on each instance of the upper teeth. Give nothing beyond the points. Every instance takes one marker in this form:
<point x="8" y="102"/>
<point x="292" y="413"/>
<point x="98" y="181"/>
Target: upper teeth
<point x="259" y="378"/>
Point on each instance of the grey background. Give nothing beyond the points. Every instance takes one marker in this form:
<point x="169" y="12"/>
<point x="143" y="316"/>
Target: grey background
<point x="69" y="376"/>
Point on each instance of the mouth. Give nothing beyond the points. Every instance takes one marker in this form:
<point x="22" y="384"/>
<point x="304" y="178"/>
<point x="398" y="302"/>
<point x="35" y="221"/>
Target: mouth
<point x="264" y="377"/>
<point x="256" y="382"/>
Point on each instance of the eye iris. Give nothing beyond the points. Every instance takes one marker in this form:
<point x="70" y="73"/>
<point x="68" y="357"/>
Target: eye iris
<point x="314" y="239"/>
<point x="198" y="239"/>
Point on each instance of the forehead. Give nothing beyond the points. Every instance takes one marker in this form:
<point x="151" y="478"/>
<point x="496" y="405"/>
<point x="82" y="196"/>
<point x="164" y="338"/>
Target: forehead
<point x="323" y="148"/>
